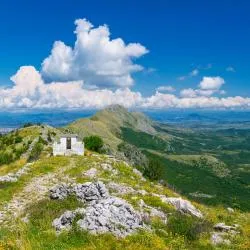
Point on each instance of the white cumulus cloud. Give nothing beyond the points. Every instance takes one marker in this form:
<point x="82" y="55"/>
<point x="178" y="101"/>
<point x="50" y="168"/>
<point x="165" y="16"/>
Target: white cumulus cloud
<point x="30" y="91"/>
<point x="211" y="83"/>
<point x="95" y="58"/>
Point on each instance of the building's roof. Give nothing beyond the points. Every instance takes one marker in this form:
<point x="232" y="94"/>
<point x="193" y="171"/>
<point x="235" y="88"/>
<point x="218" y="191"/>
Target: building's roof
<point x="69" y="135"/>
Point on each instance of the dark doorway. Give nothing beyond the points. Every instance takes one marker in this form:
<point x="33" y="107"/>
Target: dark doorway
<point x="68" y="143"/>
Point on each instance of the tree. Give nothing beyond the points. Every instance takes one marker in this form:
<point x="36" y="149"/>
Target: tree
<point x="94" y="143"/>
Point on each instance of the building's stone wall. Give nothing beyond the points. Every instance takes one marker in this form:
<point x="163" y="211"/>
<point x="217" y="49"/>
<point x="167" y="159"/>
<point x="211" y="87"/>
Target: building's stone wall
<point x="61" y="147"/>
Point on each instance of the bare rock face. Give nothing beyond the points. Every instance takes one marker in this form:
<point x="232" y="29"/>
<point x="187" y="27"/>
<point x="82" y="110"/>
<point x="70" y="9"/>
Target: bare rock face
<point x="183" y="206"/>
<point x="103" y="213"/>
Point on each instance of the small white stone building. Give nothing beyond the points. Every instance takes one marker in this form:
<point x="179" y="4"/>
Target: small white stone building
<point x="68" y="145"/>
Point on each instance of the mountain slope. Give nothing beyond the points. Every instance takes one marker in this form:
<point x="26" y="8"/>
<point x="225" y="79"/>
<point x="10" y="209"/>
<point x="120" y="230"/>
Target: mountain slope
<point x="213" y="162"/>
<point x="48" y="203"/>
<point x="107" y="123"/>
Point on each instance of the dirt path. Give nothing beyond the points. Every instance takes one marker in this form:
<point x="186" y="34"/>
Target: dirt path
<point x="35" y="190"/>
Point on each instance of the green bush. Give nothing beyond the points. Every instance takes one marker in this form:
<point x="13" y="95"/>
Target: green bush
<point x="94" y="143"/>
<point x="154" y="170"/>
<point x="36" y="151"/>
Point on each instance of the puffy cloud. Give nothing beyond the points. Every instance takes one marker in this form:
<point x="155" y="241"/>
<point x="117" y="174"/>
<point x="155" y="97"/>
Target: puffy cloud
<point x="30" y="91"/>
<point x="211" y="83"/>
<point x="165" y="89"/>
<point x="95" y="58"/>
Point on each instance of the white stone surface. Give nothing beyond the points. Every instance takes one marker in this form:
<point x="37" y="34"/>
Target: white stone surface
<point x="77" y="147"/>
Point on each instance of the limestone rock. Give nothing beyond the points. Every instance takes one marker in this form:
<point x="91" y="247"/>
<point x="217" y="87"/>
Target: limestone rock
<point x="90" y="191"/>
<point x="230" y="210"/>
<point x="183" y="206"/>
<point x="112" y="215"/>
<point x="103" y="213"/>
<point x="64" y="222"/>
<point x="59" y="192"/>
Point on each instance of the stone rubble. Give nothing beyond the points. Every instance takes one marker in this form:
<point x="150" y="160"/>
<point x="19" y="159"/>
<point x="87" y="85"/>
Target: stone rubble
<point x="103" y="213"/>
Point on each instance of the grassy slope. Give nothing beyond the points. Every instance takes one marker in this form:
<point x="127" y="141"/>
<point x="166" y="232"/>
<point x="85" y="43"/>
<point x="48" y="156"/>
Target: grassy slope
<point x="38" y="233"/>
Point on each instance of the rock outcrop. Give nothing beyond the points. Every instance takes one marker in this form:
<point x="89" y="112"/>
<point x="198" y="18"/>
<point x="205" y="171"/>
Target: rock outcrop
<point x="103" y="213"/>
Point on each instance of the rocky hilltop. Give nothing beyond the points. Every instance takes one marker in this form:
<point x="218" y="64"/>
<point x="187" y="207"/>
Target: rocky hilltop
<point x="99" y="201"/>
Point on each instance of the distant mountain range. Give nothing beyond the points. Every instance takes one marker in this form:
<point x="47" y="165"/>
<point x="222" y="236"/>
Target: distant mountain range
<point x="182" y="117"/>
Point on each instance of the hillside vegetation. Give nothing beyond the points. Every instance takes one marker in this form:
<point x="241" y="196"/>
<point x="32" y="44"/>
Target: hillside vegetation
<point x="213" y="162"/>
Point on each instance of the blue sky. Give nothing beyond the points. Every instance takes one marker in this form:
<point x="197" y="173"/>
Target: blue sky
<point x="211" y="37"/>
